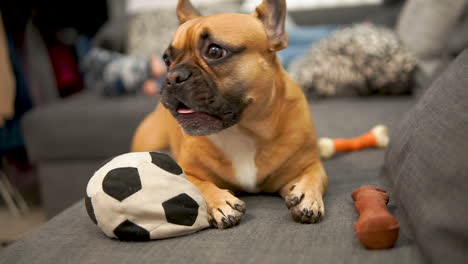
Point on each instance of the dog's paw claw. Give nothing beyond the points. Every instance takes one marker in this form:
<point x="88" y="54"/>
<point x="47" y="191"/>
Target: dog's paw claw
<point x="305" y="208"/>
<point x="307" y="212"/>
<point x="213" y="223"/>
<point x="240" y="207"/>
<point x="293" y="200"/>
<point x="227" y="212"/>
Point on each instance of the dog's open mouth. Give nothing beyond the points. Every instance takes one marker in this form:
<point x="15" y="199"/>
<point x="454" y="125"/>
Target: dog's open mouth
<point x="197" y="123"/>
<point x="198" y="106"/>
<point x="183" y="109"/>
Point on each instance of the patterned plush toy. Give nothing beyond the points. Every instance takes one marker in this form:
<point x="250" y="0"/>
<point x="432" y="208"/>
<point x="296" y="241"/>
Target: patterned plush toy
<point x="143" y="196"/>
<point x="376" y="137"/>
<point x="359" y="60"/>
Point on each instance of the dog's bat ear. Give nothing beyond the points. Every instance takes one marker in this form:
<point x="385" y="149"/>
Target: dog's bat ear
<point x="272" y="13"/>
<point x="186" y="11"/>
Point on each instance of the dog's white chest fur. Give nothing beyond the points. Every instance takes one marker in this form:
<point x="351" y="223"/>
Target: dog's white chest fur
<point x="240" y="149"/>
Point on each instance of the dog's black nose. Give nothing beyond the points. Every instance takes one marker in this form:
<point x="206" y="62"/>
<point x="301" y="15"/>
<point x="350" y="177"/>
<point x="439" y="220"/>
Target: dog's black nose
<point x="179" y="75"/>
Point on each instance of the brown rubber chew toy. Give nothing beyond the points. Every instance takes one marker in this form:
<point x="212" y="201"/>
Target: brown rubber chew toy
<point x="376" y="228"/>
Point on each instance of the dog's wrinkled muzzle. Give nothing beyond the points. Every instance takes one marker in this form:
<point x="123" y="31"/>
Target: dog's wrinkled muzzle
<point x="194" y="100"/>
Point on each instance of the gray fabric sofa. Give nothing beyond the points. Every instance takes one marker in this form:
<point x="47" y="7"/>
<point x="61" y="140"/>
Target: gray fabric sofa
<point x="429" y="137"/>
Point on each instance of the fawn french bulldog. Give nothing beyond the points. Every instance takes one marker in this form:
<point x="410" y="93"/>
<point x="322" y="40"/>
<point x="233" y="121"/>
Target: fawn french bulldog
<point x="233" y="118"/>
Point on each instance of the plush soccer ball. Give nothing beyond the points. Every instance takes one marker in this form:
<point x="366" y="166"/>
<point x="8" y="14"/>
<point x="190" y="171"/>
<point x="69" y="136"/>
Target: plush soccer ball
<point x="144" y="195"/>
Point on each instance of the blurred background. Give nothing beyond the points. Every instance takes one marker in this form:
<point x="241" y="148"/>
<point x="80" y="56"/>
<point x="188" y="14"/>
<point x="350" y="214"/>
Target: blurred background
<point x="76" y="78"/>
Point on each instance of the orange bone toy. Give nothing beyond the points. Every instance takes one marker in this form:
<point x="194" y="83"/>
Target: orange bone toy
<point x="376" y="228"/>
<point x="376" y="137"/>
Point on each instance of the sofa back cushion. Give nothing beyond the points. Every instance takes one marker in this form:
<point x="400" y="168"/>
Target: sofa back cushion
<point x="433" y="29"/>
<point x="427" y="166"/>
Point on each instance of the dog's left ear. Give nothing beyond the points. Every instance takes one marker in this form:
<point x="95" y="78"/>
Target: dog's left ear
<point x="272" y="13"/>
<point x="186" y="11"/>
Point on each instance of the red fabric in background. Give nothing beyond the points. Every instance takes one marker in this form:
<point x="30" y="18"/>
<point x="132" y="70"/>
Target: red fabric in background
<point x="65" y="66"/>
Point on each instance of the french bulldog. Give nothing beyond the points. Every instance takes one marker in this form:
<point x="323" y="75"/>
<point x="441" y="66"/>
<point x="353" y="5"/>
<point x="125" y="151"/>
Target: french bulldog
<point x="232" y="117"/>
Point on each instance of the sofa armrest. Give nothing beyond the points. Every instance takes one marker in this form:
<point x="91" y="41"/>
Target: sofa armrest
<point x="427" y="167"/>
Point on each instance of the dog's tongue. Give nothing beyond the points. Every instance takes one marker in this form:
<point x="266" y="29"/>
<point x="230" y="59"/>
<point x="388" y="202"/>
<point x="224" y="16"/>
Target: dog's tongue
<point x="185" y="111"/>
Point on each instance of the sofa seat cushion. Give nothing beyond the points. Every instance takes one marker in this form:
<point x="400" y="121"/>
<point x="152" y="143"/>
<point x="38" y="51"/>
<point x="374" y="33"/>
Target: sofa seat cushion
<point x="84" y="127"/>
<point x="267" y="234"/>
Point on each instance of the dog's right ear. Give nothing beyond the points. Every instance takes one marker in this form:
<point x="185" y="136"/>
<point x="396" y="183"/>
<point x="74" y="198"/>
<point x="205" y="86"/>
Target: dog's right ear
<point x="186" y="11"/>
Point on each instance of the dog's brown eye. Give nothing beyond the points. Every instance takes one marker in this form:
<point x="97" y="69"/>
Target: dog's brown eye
<point x="166" y="60"/>
<point x="215" y="52"/>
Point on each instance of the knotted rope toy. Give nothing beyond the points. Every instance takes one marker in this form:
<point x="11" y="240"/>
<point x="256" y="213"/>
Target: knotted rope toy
<point x="376" y="137"/>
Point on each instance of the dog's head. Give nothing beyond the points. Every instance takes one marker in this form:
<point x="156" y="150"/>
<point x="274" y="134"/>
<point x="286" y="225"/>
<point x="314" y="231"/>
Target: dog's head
<point x="221" y="65"/>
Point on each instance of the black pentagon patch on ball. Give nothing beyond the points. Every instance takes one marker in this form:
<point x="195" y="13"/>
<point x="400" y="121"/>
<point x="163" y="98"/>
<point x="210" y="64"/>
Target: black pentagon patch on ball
<point x="90" y="209"/>
<point x="129" y="231"/>
<point x="181" y="210"/>
<point x="120" y="183"/>
<point x="165" y="162"/>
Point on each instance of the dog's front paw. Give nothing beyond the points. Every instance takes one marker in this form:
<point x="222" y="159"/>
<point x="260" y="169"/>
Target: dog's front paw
<point x="225" y="210"/>
<point x="305" y="206"/>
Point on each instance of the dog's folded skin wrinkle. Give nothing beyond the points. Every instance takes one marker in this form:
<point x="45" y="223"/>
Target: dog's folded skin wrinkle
<point x="233" y="118"/>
